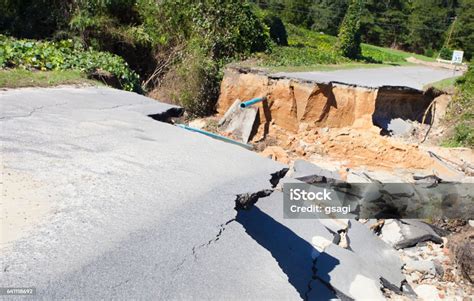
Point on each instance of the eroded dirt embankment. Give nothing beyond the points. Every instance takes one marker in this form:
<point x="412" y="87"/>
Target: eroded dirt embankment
<point x="292" y="102"/>
<point x="342" y="121"/>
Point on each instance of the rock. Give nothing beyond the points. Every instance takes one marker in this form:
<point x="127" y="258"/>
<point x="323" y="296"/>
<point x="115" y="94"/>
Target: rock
<point x="276" y="153"/>
<point x="406" y="233"/>
<point x="422" y="266"/>
<point x="427" y="292"/>
<point x="471" y="223"/>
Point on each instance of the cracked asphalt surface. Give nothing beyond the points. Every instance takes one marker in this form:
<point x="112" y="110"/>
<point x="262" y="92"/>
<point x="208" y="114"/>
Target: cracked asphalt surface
<point x="138" y="208"/>
<point x="135" y="208"/>
<point x="413" y="76"/>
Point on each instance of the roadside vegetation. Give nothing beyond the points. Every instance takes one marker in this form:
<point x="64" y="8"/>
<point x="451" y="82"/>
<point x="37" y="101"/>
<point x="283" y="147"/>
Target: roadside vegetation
<point x="461" y="112"/>
<point x="27" y="54"/>
<point x="176" y="50"/>
<point x="20" y="78"/>
<point x="310" y="50"/>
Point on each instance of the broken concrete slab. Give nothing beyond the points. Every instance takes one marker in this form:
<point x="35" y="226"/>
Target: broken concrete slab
<point x="398" y="126"/>
<point x="348" y="274"/>
<point x="407" y="233"/>
<point x="338" y="269"/>
<point x="357" y="177"/>
<point x="380" y="256"/>
<point x="239" y="121"/>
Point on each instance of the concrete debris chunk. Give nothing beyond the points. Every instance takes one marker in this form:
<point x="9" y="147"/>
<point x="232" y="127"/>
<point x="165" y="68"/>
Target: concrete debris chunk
<point x="400" y="126"/>
<point x="422" y="266"/>
<point x="379" y="256"/>
<point x="407" y="233"/>
<point x="239" y="121"/>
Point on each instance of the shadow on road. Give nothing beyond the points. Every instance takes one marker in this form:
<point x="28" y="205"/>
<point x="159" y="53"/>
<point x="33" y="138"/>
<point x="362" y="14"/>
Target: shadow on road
<point x="292" y="253"/>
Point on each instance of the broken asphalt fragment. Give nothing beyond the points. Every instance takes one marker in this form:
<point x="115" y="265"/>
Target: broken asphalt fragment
<point x="380" y="256"/>
<point x="277" y="176"/>
<point x="245" y="201"/>
<point x="407" y="233"/>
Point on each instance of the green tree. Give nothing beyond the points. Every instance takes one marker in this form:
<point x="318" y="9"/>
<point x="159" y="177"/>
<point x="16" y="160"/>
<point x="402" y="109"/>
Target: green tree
<point x="428" y="23"/>
<point x="349" y="32"/>
<point x="327" y="15"/>
<point x="384" y="23"/>
<point x="33" y="18"/>
<point x="297" y="12"/>
<point x="463" y="35"/>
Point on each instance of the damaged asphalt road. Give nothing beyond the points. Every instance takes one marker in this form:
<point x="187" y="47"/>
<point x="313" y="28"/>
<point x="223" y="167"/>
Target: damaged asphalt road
<point x="141" y="209"/>
<point x="135" y="205"/>
<point x="415" y="77"/>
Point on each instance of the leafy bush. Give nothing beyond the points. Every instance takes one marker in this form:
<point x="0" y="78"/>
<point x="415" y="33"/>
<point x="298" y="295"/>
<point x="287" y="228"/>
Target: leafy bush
<point x="461" y="111"/>
<point x="209" y="34"/>
<point x="446" y="53"/>
<point x="382" y="55"/>
<point x="64" y="55"/>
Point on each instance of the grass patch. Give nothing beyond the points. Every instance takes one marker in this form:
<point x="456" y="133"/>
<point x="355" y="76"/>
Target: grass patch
<point x="324" y="67"/>
<point x="446" y="84"/>
<point x="387" y="55"/>
<point x="461" y="112"/>
<point x="19" y="78"/>
<point x="307" y="50"/>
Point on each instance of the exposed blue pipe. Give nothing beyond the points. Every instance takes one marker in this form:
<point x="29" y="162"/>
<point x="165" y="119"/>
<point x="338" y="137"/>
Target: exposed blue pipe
<point x="252" y="102"/>
<point x="215" y="136"/>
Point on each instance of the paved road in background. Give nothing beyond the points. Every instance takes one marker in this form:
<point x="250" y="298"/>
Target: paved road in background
<point x="414" y="76"/>
<point x="114" y="204"/>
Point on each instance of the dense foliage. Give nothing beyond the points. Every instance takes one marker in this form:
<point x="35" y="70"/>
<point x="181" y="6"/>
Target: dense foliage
<point x="422" y="26"/>
<point x="463" y="35"/>
<point x="349" y="32"/>
<point x="64" y="55"/>
<point x="178" y="47"/>
<point x="461" y="111"/>
<point x="277" y="29"/>
<point x="309" y="48"/>
<point x="166" y="42"/>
